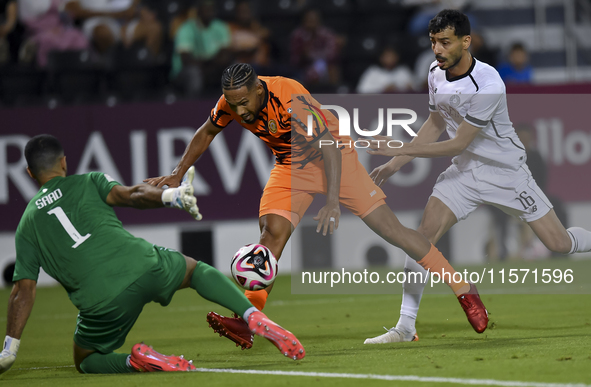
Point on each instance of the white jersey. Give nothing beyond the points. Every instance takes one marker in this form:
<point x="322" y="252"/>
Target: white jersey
<point x="479" y="98"/>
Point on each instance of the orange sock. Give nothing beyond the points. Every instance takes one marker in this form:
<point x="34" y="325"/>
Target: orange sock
<point x="258" y="298"/>
<point x="435" y="262"/>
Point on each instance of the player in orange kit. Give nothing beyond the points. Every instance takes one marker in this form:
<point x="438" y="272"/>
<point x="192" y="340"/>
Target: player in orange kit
<point x="303" y="168"/>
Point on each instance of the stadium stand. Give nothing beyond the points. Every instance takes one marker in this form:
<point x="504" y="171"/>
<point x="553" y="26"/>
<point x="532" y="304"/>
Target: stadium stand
<point x="553" y="31"/>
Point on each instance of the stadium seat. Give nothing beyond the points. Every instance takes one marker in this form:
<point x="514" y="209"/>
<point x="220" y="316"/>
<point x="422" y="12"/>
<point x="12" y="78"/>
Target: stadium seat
<point x="166" y="9"/>
<point x="379" y="6"/>
<point x="500" y="17"/>
<point x="584" y="57"/>
<point x="387" y="22"/>
<point x="548" y="59"/>
<point x="74" y="76"/>
<point x="19" y="84"/>
<point x="365" y="46"/>
<point x="338" y="23"/>
<point x="227" y="8"/>
<point x="135" y="74"/>
<point x="279" y="8"/>
<point x="335" y="7"/>
<point x="353" y="69"/>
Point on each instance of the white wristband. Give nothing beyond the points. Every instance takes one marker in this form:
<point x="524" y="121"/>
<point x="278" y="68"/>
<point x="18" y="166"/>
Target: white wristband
<point x="11" y="345"/>
<point x="168" y="197"/>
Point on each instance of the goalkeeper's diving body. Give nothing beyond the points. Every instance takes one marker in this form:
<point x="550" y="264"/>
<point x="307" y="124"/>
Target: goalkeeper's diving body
<point x="274" y="109"/>
<point x="71" y="230"/>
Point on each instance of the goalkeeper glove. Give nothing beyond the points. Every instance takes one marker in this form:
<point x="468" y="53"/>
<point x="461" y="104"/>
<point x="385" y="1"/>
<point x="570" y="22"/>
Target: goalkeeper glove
<point x="182" y="196"/>
<point x="8" y="355"/>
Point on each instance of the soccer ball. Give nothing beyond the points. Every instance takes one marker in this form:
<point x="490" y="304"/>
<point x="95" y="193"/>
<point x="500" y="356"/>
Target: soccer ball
<point x="254" y="267"/>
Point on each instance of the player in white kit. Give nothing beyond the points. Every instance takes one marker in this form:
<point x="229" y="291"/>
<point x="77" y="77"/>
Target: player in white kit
<point x="468" y="99"/>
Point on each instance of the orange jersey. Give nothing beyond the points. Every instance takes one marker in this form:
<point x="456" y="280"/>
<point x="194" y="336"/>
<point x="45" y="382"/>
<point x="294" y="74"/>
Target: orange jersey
<point x="274" y="123"/>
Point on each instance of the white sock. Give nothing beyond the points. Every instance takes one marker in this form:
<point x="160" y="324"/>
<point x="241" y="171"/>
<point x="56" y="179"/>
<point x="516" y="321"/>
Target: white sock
<point x="248" y="312"/>
<point x="580" y="238"/>
<point x="412" y="291"/>
<point x="406" y="324"/>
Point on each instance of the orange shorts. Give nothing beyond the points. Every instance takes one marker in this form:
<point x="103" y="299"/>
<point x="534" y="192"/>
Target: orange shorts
<point x="290" y="191"/>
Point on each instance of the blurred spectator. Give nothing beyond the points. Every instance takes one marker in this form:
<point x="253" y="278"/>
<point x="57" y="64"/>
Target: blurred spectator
<point x="201" y="49"/>
<point x="387" y="77"/>
<point x="421" y="70"/>
<point x="108" y="22"/>
<point x="145" y="28"/>
<point x="250" y="40"/>
<point x="10" y="31"/>
<point x="186" y="10"/>
<point x="481" y="51"/>
<point x="315" y="51"/>
<point x="518" y="68"/>
<point x="428" y="9"/>
<point x="47" y="30"/>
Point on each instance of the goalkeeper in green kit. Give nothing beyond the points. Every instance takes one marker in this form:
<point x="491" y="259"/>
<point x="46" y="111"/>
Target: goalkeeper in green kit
<point x="70" y="230"/>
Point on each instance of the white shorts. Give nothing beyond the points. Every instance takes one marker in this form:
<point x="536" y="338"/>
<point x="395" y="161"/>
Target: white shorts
<point x="513" y="191"/>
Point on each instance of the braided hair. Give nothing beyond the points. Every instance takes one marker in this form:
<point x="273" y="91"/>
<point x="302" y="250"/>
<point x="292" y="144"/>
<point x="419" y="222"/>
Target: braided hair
<point x="238" y="75"/>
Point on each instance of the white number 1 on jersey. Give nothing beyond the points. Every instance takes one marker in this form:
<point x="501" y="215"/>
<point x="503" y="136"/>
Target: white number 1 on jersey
<point x="68" y="226"/>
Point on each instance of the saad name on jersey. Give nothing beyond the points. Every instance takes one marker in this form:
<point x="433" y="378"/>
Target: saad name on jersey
<point x="49" y="198"/>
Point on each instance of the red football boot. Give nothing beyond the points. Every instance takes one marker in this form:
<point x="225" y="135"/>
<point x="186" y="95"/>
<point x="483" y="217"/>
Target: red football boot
<point x="474" y="309"/>
<point x="144" y="358"/>
<point x="283" y="339"/>
<point x="234" y="328"/>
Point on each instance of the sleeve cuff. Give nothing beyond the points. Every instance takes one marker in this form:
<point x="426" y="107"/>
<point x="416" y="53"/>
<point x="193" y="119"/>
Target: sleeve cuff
<point x="475" y="121"/>
<point x="217" y="125"/>
<point x="316" y="138"/>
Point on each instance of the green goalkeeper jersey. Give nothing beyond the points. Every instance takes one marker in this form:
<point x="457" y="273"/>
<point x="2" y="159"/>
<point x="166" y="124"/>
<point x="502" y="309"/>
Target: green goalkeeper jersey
<point x="70" y="231"/>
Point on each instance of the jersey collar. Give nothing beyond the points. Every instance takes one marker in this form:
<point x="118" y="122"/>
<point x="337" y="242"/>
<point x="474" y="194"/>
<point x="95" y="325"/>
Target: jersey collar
<point x="453" y="79"/>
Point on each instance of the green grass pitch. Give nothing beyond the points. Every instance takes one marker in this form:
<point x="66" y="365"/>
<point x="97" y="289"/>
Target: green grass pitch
<point x="534" y="338"/>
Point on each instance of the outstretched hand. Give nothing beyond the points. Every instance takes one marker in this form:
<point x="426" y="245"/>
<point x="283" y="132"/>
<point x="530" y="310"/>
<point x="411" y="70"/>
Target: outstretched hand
<point x="182" y="197"/>
<point x="160" y="181"/>
<point x="328" y="218"/>
<point x="382" y="173"/>
<point x="386" y="146"/>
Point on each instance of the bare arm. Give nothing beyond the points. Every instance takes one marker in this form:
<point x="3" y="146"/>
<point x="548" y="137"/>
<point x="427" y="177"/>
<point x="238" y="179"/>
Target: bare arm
<point x="76" y="11"/>
<point x="199" y="144"/>
<point x="453" y="147"/>
<point x="429" y="132"/>
<point x="20" y="305"/>
<point x="11" y="18"/>
<point x="139" y="196"/>
<point x="332" y="168"/>
<point x="144" y="196"/>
